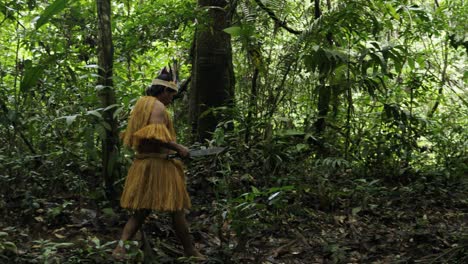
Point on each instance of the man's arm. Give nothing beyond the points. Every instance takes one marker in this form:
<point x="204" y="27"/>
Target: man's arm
<point x="182" y="150"/>
<point x="158" y="117"/>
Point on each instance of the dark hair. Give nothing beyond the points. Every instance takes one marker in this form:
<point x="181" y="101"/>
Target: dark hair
<point x="155" y="90"/>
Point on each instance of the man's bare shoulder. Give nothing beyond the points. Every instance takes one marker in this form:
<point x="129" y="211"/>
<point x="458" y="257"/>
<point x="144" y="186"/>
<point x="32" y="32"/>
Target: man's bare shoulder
<point x="158" y="113"/>
<point x="159" y="107"/>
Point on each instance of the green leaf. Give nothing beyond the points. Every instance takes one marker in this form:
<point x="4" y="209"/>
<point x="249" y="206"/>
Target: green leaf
<point x="7" y="11"/>
<point x="356" y="210"/>
<point x="392" y="11"/>
<point x="302" y="147"/>
<point x="108" y="211"/>
<point x="31" y="75"/>
<point x="92" y="66"/>
<point x="106" y="125"/>
<point x="465" y="75"/>
<point x="255" y="190"/>
<point x="117" y="112"/>
<point x="110" y="107"/>
<point x="411" y="62"/>
<point x="50" y="11"/>
<point x="99" y="87"/>
<point x="291" y="132"/>
<point x="10" y="246"/>
<point x="233" y="31"/>
<point x="273" y="196"/>
<point x="96" y="241"/>
<point x="55" y="211"/>
<point x="64" y="245"/>
<point x="101" y="131"/>
<point x="94" y="113"/>
<point x="70" y="119"/>
<point x="206" y="113"/>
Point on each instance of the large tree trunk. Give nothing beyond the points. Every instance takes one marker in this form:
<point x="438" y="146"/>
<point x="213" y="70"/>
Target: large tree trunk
<point x="322" y="107"/>
<point x="324" y="91"/>
<point x="110" y="144"/>
<point x="212" y="70"/>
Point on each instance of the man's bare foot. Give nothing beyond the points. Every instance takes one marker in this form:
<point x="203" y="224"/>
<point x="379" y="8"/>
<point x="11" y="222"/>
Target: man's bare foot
<point x="119" y="253"/>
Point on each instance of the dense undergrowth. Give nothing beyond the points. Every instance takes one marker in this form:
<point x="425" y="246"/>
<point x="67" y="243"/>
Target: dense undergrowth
<point x="347" y="142"/>
<point x="273" y="201"/>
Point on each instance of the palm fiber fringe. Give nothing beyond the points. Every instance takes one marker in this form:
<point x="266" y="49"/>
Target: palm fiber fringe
<point x="155" y="184"/>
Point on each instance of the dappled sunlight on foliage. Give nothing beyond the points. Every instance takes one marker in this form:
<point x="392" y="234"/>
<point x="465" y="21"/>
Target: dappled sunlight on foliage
<point x="346" y="139"/>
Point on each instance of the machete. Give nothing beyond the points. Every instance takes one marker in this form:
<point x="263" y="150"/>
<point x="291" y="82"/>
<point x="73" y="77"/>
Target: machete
<point x="195" y="153"/>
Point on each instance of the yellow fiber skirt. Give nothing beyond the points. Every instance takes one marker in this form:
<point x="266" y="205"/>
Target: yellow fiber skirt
<point x="155" y="184"/>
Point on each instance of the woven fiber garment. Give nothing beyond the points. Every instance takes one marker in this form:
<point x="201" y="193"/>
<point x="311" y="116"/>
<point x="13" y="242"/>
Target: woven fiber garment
<point x="152" y="182"/>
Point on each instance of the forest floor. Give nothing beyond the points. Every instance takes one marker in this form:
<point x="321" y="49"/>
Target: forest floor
<point x="395" y="224"/>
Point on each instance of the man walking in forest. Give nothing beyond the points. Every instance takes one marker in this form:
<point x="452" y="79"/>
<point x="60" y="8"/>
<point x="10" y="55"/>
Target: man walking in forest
<point x="154" y="182"/>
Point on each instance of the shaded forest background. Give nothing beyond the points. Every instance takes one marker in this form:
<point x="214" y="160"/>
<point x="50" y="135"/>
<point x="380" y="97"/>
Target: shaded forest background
<point x="345" y="124"/>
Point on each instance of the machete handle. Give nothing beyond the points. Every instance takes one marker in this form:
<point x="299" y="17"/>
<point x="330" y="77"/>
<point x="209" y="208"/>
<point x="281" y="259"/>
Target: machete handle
<point x="173" y="156"/>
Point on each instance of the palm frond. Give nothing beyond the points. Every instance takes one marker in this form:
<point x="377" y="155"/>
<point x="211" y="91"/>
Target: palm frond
<point x="347" y="16"/>
<point x="275" y="5"/>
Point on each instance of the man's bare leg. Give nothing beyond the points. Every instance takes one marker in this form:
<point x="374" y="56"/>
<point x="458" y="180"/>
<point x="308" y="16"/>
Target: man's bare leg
<point x="130" y="229"/>
<point x="182" y="232"/>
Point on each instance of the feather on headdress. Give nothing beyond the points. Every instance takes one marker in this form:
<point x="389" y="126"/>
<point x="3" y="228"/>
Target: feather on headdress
<point x="173" y="73"/>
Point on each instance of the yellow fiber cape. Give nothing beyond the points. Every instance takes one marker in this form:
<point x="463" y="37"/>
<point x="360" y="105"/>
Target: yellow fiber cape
<point x="152" y="182"/>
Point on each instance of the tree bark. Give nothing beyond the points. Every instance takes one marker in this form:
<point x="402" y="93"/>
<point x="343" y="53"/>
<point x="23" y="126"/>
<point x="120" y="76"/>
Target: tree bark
<point x="106" y="93"/>
<point x="443" y="79"/>
<point x="252" y="105"/>
<point x="212" y="70"/>
<point x="324" y="91"/>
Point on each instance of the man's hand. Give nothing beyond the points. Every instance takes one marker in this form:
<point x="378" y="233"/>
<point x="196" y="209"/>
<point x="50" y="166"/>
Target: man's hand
<point x="183" y="151"/>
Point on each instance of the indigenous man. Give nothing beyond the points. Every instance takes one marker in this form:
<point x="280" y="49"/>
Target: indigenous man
<point x="155" y="183"/>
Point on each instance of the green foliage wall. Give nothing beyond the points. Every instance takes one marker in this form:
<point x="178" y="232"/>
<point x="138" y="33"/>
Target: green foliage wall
<point x="389" y="65"/>
<point x="50" y="115"/>
<point x="395" y="72"/>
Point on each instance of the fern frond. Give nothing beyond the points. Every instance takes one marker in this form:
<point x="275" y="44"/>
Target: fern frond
<point x="250" y="15"/>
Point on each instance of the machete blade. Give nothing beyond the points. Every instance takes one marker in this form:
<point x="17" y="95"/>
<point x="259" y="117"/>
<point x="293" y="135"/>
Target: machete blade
<point x="206" y="152"/>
